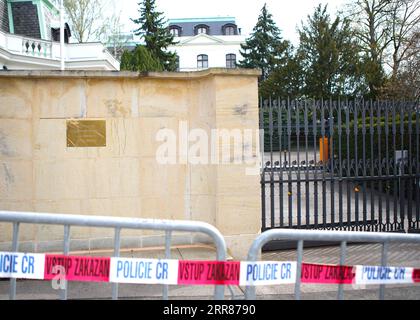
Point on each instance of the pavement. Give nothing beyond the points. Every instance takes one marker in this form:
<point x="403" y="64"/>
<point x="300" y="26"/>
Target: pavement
<point x="369" y="254"/>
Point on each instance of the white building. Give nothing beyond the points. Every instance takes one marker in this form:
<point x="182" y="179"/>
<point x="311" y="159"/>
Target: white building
<point x="30" y="35"/>
<point x="206" y="42"/>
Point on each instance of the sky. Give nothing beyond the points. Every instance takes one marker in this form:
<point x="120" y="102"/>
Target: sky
<point x="288" y="14"/>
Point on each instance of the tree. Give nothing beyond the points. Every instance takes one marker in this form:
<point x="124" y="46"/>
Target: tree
<point x="371" y="23"/>
<point x="286" y="80"/>
<point x="114" y="37"/>
<point x="404" y="17"/>
<point x="330" y="57"/>
<point x="156" y="36"/>
<point x="86" y="19"/>
<point x="405" y="85"/>
<point x="141" y="60"/>
<point x="264" y="49"/>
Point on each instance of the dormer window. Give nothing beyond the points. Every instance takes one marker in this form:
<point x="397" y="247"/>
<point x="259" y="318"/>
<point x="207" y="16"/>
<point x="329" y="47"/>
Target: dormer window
<point x="230" y="29"/>
<point x="175" y="31"/>
<point x="201" y="29"/>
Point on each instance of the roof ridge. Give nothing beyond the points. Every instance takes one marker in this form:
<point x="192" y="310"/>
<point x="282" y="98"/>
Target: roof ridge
<point x="203" y="19"/>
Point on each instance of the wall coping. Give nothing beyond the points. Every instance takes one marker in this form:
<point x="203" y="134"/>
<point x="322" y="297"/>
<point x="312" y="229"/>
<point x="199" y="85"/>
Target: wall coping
<point x="76" y="74"/>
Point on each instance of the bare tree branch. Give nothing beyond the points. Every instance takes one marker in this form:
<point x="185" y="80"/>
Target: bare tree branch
<point x="86" y="18"/>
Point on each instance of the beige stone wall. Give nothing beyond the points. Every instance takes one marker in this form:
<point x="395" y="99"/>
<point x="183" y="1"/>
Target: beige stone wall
<point x="38" y="172"/>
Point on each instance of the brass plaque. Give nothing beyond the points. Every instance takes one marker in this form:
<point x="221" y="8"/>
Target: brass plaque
<point x="86" y="133"/>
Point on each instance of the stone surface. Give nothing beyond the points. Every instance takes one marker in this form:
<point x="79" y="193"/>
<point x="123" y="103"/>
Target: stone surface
<point x="125" y="179"/>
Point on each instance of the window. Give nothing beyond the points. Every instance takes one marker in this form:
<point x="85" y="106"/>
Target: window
<point x="230" y="29"/>
<point x="202" y="61"/>
<point x="177" y="63"/>
<point x="201" y="29"/>
<point x="231" y="61"/>
<point x="175" y="31"/>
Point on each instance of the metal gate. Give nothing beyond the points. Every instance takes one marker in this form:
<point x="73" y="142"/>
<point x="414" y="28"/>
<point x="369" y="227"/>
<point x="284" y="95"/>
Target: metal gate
<point x="341" y="165"/>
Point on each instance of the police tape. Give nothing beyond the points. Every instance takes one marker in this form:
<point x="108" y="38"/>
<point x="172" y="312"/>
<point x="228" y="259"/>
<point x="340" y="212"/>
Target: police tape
<point x="190" y="273"/>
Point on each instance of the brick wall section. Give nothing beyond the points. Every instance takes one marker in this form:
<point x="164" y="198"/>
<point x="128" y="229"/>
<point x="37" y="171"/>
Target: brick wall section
<point x="4" y="17"/>
<point x="25" y="19"/>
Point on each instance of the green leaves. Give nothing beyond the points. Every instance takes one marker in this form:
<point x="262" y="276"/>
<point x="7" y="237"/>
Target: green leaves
<point x="156" y="36"/>
<point x="264" y="49"/>
<point x="141" y="60"/>
<point x="330" y="57"/>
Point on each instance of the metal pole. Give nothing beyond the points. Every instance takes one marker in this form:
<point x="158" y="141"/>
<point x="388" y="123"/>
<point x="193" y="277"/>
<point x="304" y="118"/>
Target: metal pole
<point x="62" y="35"/>
<point x="12" y="291"/>
<point x="168" y="235"/>
<point x="63" y="292"/>
<point x="383" y="264"/>
<point x="299" y="269"/>
<point x="117" y="244"/>
<point x="342" y="262"/>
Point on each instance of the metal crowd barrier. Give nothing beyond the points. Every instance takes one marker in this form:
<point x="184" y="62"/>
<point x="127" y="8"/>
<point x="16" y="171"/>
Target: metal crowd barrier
<point x="117" y="224"/>
<point x="343" y="237"/>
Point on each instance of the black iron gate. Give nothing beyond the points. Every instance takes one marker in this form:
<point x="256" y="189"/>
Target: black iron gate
<point x="341" y="165"/>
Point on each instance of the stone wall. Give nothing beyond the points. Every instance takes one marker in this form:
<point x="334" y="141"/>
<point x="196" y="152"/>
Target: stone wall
<point x="38" y="172"/>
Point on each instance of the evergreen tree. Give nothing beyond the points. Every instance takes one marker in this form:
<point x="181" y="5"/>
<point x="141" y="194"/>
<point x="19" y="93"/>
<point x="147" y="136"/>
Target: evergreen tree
<point x="264" y="49"/>
<point x="330" y="57"/>
<point x="156" y="36"/>
<point x="140" y="60"/>
<point x="285" y="81"/>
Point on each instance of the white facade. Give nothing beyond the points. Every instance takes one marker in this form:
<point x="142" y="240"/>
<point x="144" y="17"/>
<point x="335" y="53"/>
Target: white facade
<point x="215" y="47"/>
<point x="27" y="33"/>
<point x="23" y="53"/>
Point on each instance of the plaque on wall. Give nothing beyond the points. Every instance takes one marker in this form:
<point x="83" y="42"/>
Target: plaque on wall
<point x="86" y="133"/>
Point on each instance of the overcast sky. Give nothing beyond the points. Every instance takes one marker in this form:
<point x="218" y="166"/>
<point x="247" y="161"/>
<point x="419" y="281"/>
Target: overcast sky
<point x="286" y="13"/>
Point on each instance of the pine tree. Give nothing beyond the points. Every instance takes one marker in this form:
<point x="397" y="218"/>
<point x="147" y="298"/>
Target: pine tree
<point x="285" y="81"/>
<point x="140" y="60"/>
<point x="264" y="49"/>
<point x="156" y="36"/>
<point x="330" y="57"/>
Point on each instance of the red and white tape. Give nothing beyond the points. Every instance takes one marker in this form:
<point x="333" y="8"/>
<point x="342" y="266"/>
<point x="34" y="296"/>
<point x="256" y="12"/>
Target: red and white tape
<point x="174" y="272"/>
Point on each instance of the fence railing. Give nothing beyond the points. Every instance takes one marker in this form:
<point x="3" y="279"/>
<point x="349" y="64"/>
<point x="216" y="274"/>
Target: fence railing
<point x="343" y="237"/>
<point x="118" y="224"/>
<point x="348" y="165"/>
<point x="37" y="48"/>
